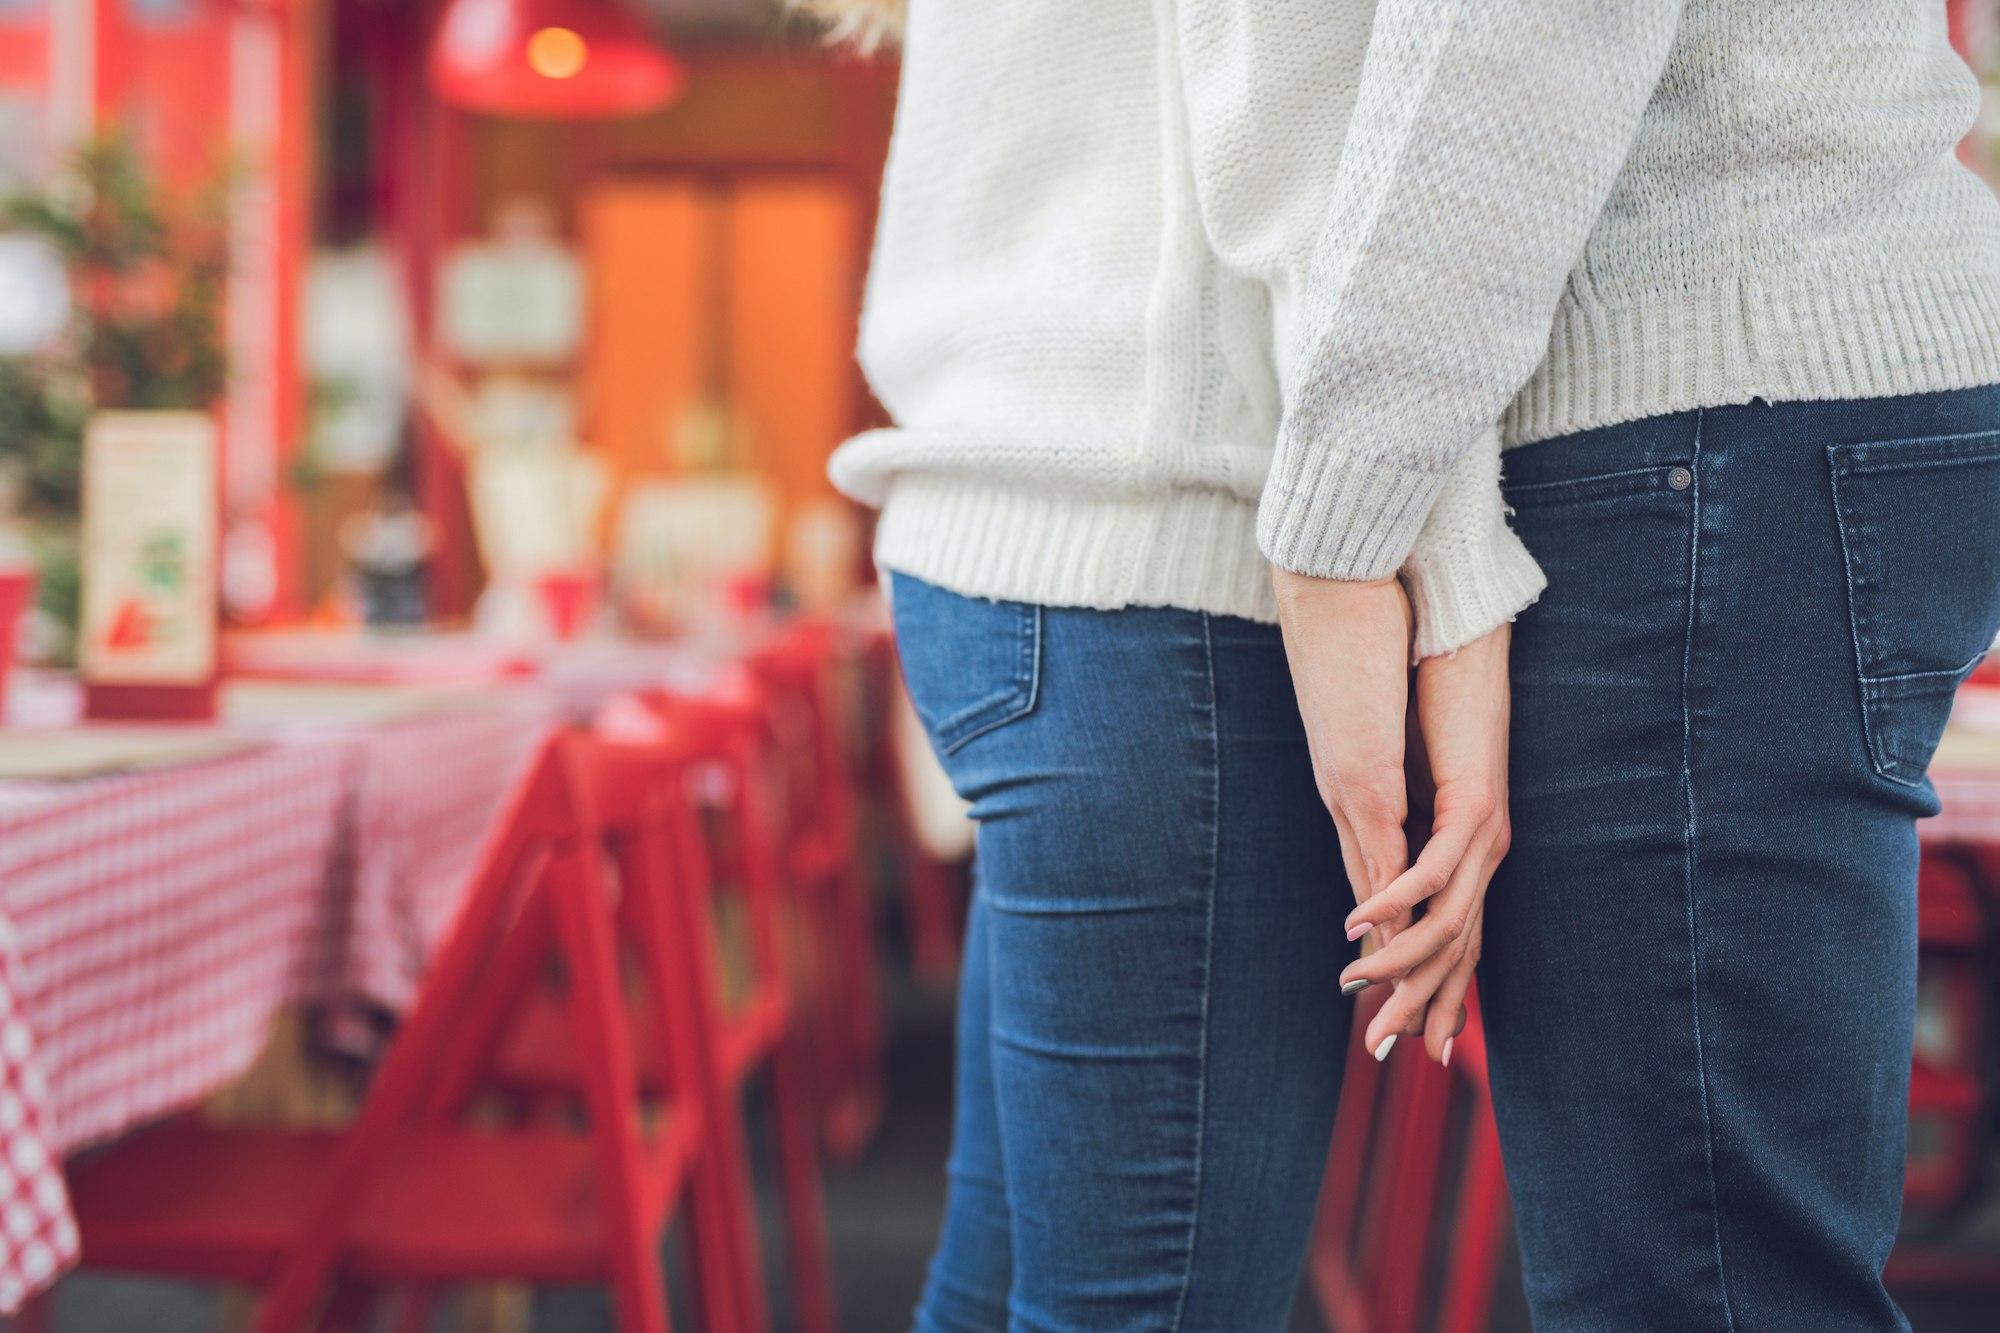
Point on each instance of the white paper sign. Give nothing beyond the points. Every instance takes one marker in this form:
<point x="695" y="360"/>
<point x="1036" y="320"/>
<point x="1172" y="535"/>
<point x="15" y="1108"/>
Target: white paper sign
<point x="509" y="301"/>
<point x="149" y="549"/>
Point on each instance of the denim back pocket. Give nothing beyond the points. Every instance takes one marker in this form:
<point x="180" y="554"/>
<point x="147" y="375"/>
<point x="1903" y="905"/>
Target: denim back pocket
<point x="1918" y="531"/>
<point x="970" y="665"/>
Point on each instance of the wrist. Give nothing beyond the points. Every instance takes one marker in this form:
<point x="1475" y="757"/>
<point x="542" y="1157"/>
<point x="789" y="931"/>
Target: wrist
<point x="1296" y="591"/>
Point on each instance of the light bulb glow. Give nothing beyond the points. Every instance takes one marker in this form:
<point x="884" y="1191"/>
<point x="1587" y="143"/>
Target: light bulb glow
<point x="557" y="53"/>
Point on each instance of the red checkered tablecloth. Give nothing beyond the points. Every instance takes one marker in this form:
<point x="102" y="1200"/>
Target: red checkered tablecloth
<point x="150" y="925"/>
<point x="426" y="792"/>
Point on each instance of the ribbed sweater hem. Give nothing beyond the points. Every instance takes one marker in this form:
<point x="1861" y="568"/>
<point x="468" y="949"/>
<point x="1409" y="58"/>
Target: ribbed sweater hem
<point x="1453" y="604"/>
<point x="1614" y="356"/>
<point x="1626" y="355"/>
<point x="1196" y="550"/>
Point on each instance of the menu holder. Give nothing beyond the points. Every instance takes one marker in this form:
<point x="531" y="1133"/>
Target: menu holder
<point x="150" y="566"/>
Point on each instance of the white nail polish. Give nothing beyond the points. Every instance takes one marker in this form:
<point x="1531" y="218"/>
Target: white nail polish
<point x="1382" y="1051"/>
<point x="1445" y="1059"/>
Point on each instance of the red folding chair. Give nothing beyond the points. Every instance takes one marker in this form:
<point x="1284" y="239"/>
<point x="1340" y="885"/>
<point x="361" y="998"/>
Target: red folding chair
<point x="647" y="805"/>
<point x="710" y="749"/>
<point x="723" y="740"/>
<point x="415" y="1194"/>
<point x="933" y="891"/>
<point x="1388" y="1220"/>
<point x="1948" y="1106"/>
<point x="842" y="1008"/>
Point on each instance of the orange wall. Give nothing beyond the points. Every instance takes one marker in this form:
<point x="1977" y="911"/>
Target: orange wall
<point x="641" y="243"/>
<point x="810" y="127"/>
<point x="793" y="313"/>
<point x="778" y="284"/>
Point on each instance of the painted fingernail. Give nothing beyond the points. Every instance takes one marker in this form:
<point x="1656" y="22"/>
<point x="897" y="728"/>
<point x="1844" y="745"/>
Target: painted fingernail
<point x="1356" y="932"/>
<point x="1445" y="1059"/>
<point x="1382" y="1051"/>
<point x="1356" y="986"/>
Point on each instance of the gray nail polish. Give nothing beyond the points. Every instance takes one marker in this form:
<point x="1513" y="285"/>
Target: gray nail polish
<point x="1356" y="986"/>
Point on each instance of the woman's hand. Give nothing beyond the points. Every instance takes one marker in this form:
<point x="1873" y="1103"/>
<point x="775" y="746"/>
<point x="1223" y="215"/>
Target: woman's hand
<point x="1462" y="710"/>
<point x="1348" y="644"/>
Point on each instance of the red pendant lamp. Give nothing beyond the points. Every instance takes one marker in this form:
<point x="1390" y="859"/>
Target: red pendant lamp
<point x="551" y="59"/>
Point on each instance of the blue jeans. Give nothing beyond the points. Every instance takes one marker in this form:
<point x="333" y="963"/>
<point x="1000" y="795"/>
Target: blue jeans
<point x="1150" y="1027"/>
<point x="1700" y="957"/>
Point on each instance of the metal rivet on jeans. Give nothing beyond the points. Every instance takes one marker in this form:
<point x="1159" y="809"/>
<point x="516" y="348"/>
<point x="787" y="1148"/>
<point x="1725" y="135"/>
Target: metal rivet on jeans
<point x="1680" y="479"/>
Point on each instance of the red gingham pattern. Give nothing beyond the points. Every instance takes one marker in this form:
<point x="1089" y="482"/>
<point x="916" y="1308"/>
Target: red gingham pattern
<point x="146" y="938"/>
<point x="151" y="925"/>
<point x="426" y="793"/>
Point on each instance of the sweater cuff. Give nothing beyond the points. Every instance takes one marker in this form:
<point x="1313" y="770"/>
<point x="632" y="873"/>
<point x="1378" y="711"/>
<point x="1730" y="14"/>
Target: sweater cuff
<point x="1350" y="518"/>
<point x="1468" y="573"/>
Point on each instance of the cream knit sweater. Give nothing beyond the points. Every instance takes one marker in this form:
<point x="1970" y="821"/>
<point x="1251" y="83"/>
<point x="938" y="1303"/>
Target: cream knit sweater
<point x="1161" y="282"/>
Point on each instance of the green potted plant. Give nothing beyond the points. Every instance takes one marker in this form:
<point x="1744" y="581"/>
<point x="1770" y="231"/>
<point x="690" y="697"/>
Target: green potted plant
<point x="147" y="273"/>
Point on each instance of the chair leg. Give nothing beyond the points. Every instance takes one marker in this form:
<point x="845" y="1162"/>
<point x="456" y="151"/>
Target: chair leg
<point x="1468" y="1295"/>
<point x="663" y="916"/>
<point x="583" y="921"/>
<point x="804" y="1204"/>
<point x="726" y="1288"/>
<point x="854" y="1092"/>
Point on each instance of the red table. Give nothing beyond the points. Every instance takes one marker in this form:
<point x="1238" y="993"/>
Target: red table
<point x="150" y="926"/>
<point x="425" y="792"/>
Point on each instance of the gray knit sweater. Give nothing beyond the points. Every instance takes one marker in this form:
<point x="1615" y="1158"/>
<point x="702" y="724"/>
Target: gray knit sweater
<point x="1159" y="282"/>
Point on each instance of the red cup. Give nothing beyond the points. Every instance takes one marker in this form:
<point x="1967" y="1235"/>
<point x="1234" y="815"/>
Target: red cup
<point x="568" y="598"/>
<point x="17" y="594"/>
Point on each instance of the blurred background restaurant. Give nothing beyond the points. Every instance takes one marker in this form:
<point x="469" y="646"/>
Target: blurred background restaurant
<point x="413" y="419"/>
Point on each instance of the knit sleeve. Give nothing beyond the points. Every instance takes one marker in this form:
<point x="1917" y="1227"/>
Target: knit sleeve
<point x="1468" y="573"/>
<point x="1414" y="300"/>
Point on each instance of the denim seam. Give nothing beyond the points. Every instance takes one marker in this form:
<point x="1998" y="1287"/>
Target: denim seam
<point x="1854" y="619"/>
<point x="1688" y="798"/>
<point x="1952" y="676"/>
<point x="1207" y="965"/>
<point x="1889" y="760"/>
<point x="1623" y="474"/>
<point x="1885" y="759"/>
<point x="1916" y="453"/>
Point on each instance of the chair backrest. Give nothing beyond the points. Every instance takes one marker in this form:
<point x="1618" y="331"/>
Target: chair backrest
<point x="797" y="673"/>
<point x="545" y="890"/>
<point x="720" y="761"/>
